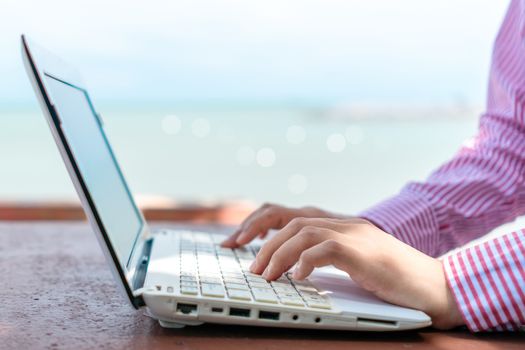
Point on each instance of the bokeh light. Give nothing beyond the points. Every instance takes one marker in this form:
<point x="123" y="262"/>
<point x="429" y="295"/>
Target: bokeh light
<point x="266" y="157"/>
<point x="200" y="127"/>
<point x="354" y="135"/>
<point x="295" y="134"/>
<point x="245" y="155"/>
<point x="171" y="124"/>
<point x="297" y="183"/>
<point x="336" y="143"/>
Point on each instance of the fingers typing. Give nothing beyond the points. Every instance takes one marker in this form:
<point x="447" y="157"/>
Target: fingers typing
<point x="307" y="227"/>
<point x="290" y="251"/>
<point x="256" y="224"/>
<point x="329" y="252"/>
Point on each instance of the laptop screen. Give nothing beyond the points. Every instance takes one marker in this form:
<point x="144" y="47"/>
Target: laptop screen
<point x="99" y="169"/>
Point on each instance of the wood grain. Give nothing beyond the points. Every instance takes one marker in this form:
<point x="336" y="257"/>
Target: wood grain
<point x="229" y="213"/>
<point x="57" y="293"/>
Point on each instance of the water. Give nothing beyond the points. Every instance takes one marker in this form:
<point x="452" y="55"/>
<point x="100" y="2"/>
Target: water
<point x="293" y="156"/>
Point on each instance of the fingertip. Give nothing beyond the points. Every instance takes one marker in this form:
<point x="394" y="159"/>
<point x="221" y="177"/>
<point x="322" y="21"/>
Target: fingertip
<point x="259" y="265"/>
<point x="272" y="272"/>
<point x="257" y="270"/>
<point x="242" y="239"/>
<point x="229" y="243"/>
<point x="253" y="266"/>
<point x="266" y="273"/>
<point x="298" y="273"/>
<point x="226" y="241"/>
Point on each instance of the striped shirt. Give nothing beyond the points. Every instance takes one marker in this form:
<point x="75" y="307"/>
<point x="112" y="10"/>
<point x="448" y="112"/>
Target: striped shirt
<point x="482" y="187"/>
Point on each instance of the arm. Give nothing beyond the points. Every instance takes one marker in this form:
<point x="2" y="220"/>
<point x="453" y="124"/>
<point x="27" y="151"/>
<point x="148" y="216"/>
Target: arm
<point x="480" y="189"/>
<point x="483" y="186"/>
<point x="488" y="283"/>
<point x="482" y="287"/>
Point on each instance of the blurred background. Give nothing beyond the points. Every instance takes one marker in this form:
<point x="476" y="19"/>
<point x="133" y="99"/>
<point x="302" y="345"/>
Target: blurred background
<point x="330" y="103"/>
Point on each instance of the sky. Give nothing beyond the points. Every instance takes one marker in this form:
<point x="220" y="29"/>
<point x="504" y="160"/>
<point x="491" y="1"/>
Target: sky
<point x="313" y="51"/>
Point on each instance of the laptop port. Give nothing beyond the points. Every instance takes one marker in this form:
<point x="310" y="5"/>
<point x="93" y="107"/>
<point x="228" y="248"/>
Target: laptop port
<point x="186" y="309"/>
<point x="217" y="310"/>
<point x="376" y="323"/>
<point x="239" y="312"/>
<point x="268" y="315"/>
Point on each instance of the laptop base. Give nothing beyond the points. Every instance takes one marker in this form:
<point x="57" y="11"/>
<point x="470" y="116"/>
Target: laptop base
<point x="167" y="324"/>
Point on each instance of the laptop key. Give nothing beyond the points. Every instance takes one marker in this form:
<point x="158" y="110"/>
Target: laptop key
<point x="233" y="274"/>
<point x="188" y="278"/>
<point x="212" y="290"/>
<point x="188" y="273"/>
<point x="189" y="284"/>
<point x="234" y="280"/>
<point x="251" y="274"/>
<point x="308" y="295"/>
<point x="319" y="304"/>
<point x="282" y="286"/>
<point x="292" y="301"/>
<point x="255" y="278"/>
<point x="264" y="284"/>
<point x="237" y="286"/>
<point x="189" y="290"/>
<point x="306" y="288"/>
<point x="288" y="295"/>
<point x="264" y="295"/>
<point x="214" y="280"/>
<point x="239" y="294"/>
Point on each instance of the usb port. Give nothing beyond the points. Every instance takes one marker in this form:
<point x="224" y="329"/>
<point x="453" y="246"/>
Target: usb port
<point x="268" y="315"/>
<point x="186" y="308"/>
<point x="239" y="312"/>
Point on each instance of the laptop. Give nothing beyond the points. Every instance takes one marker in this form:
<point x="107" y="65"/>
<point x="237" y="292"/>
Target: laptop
<point x="182" y="277"/>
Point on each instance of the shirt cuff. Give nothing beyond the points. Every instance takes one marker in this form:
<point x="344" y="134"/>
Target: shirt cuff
<point x="488" y="283"/>
<point x="409" y="217"/>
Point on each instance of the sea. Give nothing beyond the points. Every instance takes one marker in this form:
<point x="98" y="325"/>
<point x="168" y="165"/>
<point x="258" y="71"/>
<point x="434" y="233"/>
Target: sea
<point x="290" y="155"/>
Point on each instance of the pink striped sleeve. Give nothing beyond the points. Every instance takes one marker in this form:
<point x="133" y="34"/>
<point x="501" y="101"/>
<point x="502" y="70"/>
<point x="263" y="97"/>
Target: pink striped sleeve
<point x="488" y="281"/>
<point x="483" y="186"/>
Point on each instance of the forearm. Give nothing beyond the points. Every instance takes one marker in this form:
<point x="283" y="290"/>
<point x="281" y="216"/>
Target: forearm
<point x="488" y="283"/>
<point x="483" y="186"/>
<point x="478" y="190"/>
<point x="410" y="217"/>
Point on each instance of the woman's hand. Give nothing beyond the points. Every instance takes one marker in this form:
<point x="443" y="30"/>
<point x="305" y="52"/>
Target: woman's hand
<point x="271" y="216"/>
<point x="377" y="261"/>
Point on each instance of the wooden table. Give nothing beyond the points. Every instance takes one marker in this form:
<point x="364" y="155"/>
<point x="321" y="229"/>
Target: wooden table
<point x="57" y="293"/>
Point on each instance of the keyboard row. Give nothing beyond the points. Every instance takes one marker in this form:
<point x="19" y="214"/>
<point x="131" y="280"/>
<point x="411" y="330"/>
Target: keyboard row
<point x="274" y="292"/>
<point x="210" y="270"/>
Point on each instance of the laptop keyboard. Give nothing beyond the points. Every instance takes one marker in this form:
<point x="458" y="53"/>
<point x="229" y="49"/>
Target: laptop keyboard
<point x="209" y="270"/>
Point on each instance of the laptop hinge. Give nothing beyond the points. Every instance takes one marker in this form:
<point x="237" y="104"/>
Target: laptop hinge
<point x="142" y="266"/>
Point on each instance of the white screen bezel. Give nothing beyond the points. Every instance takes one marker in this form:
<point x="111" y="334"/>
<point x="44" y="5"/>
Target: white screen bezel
<point x="38" y="63"/>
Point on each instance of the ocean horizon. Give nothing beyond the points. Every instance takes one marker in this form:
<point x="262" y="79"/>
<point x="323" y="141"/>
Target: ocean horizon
<point x="343" y="160"/>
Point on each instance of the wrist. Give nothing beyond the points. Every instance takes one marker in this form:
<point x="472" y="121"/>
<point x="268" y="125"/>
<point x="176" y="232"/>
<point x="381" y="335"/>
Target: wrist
<point x="444" y="311"/>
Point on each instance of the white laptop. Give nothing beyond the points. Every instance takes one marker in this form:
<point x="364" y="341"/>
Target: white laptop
<point x="180" y="277"/>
